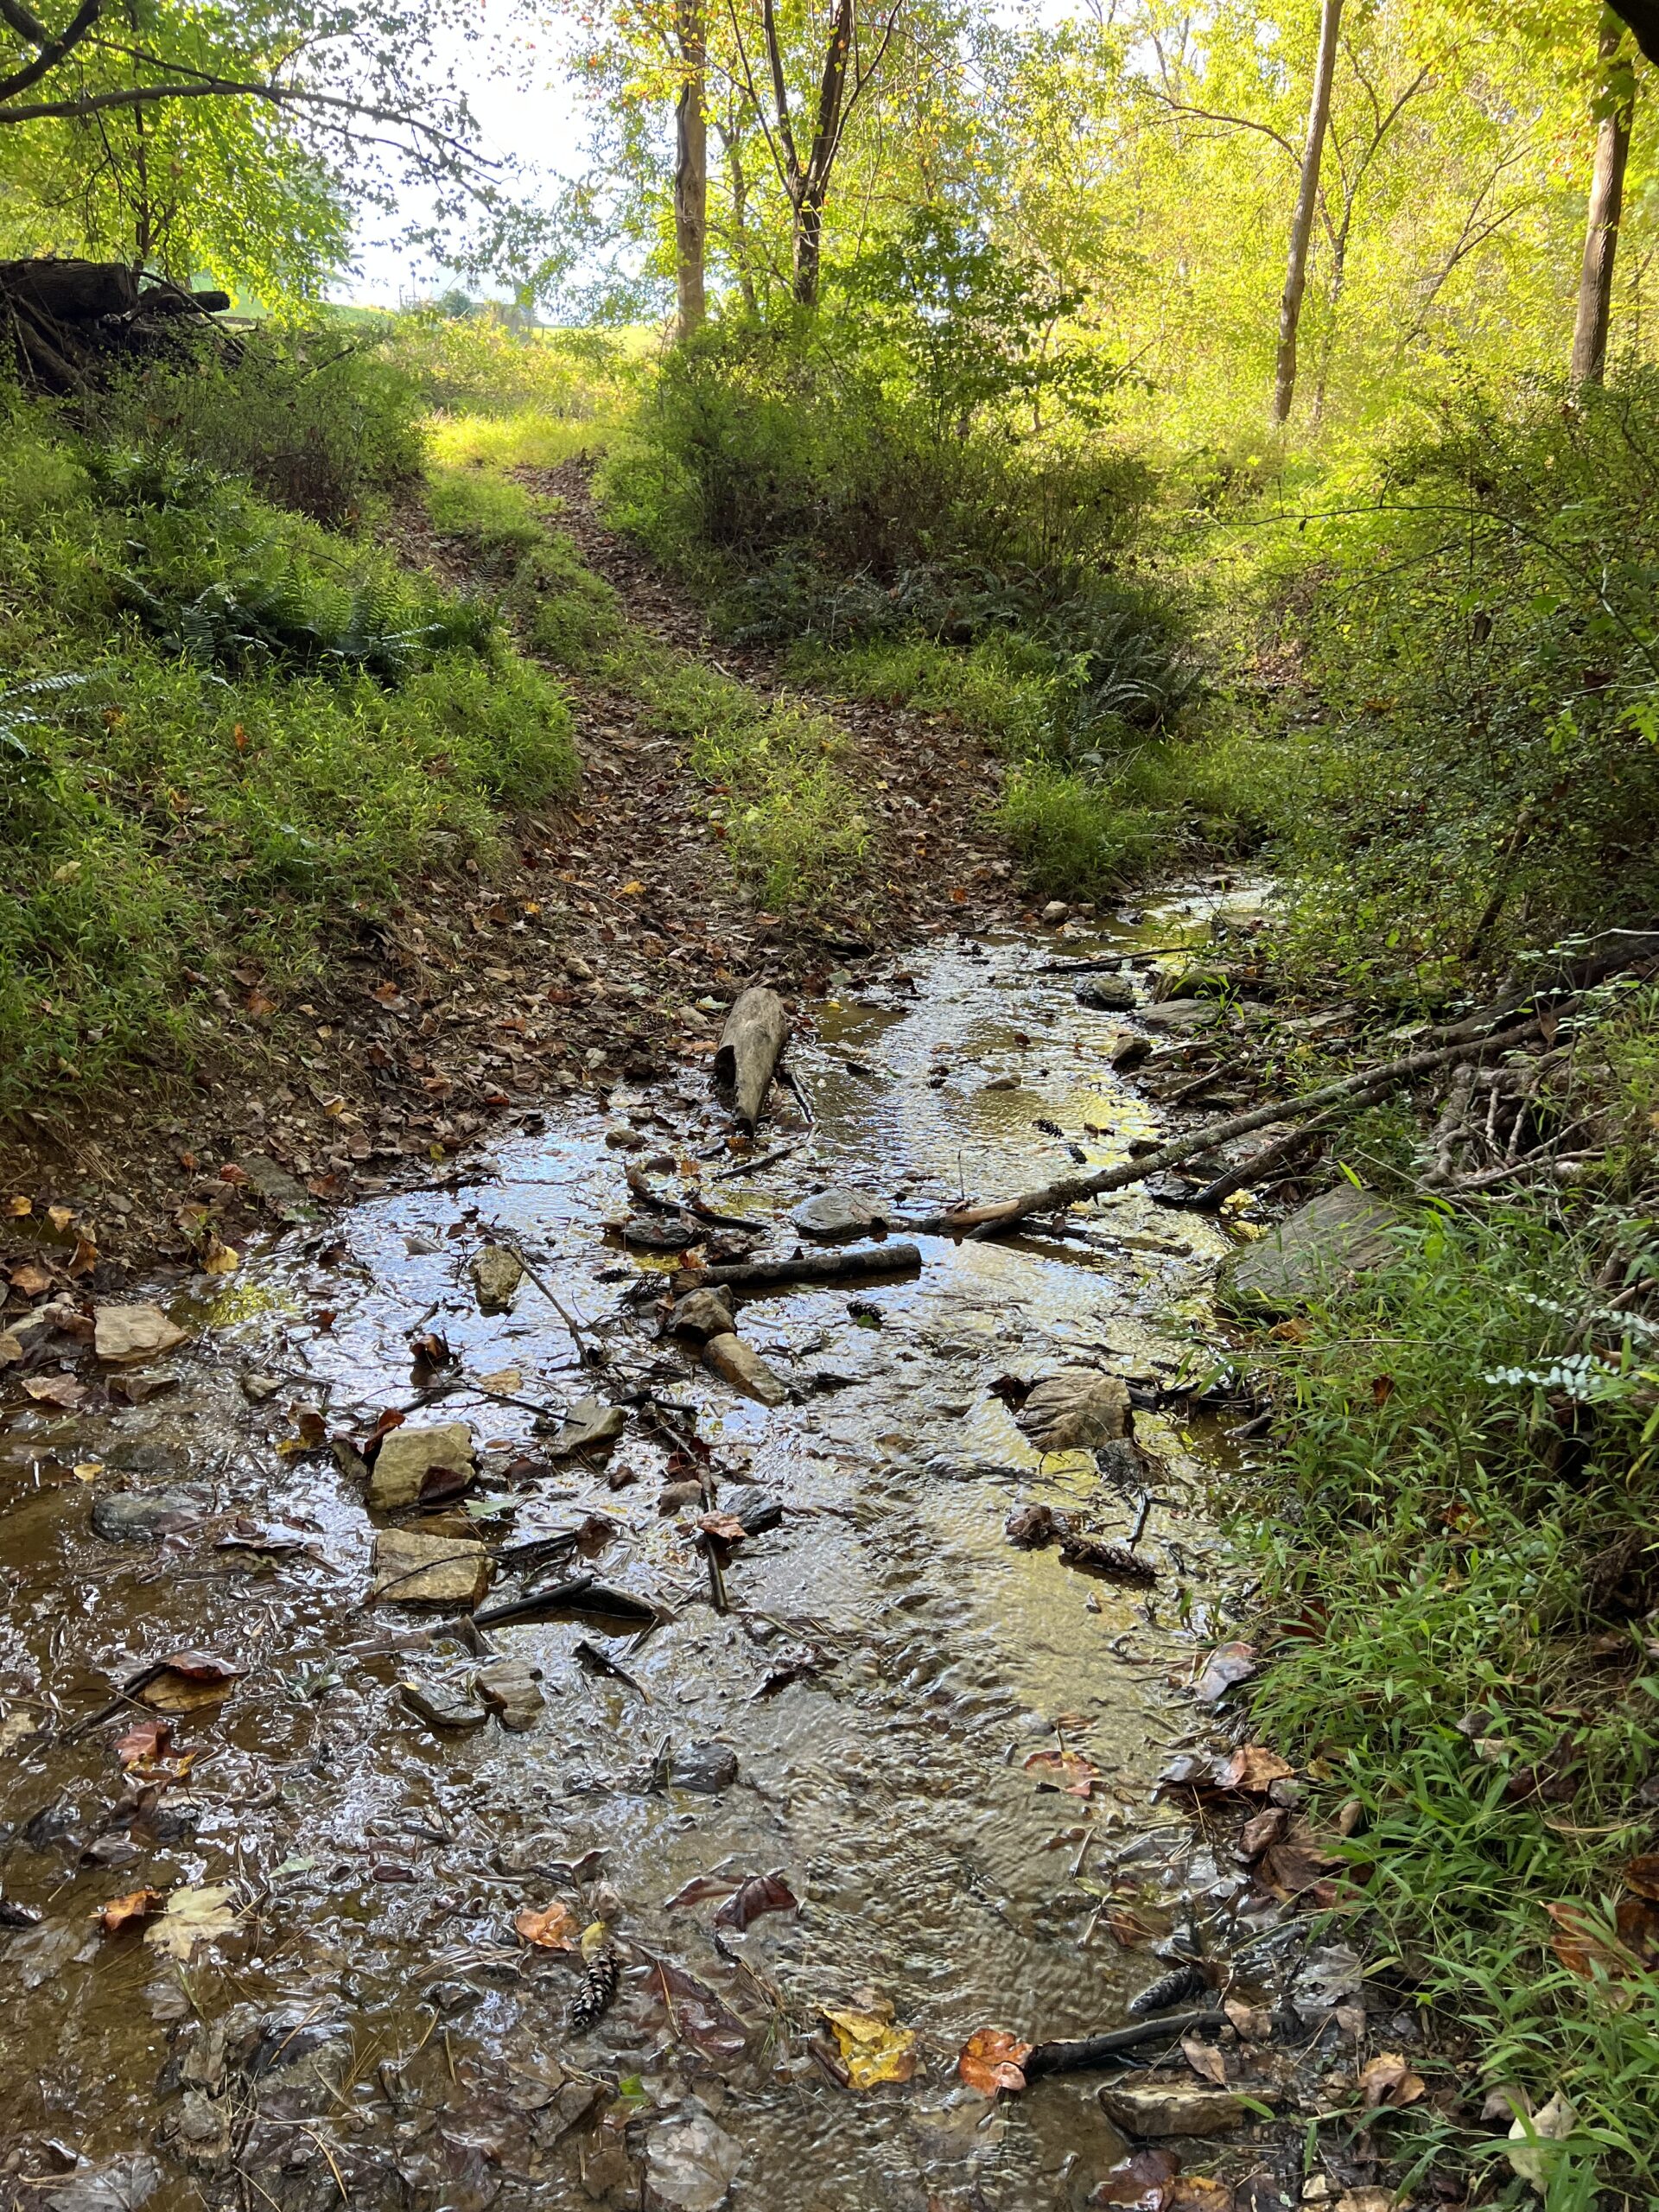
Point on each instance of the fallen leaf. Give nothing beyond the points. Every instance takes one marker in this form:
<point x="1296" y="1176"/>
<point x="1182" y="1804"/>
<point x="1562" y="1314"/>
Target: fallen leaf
<point x="1076" y="1410"/>
<point x="505" y="1379"/>
<point x="698" y="2017"/>
<point x="760" y="1893"/>
<point x="1228" y="1663"/>
<point x="62" y="1392"/>
<point x="1296" y="1864"/>
<point x="127" y="1911"/>
<point x="1141" y="2182"/>
<point x="1252" y="1768"/>
<point x="1535" y="2160"/>
<point x="1205" y="2060"/>
<point x="1127" y="1927"/>
<point x="1642" y="1876"/>
<point x="84" y="1258"/>
<point x="144" y="1741"/>
<point x="1389" y="2080"/>
<point x="60" y="1217"/>
<point x="1263" y="1829"/>
<point x="1066" y="1770"/>
<point x="1199" y="2193"/>
<point x="553" y="1929"/>
<point x="873" y="2049"/>
<point x="1254" y="2023"/>
<point x="690" y="2164"/>
<point x="992" y="2059"/>
<point x="219" y="1259"/>
<point x="1583" y="1944"/>
<point x="18" y="1207"/>
<point x="724" y="1528"/>
<point x="32" y="1280"/>
<point x="192" y="1916"/>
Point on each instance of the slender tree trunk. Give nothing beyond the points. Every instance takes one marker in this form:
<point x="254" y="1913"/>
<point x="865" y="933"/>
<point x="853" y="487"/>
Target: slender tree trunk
<point x="740" y="236"/>
<point x="690" y="171"/>
<point x="809" y="252"/>
<point x="1606" y="207"/>
<point x="1307" y="198"/>
<point x="1332" y="307"/>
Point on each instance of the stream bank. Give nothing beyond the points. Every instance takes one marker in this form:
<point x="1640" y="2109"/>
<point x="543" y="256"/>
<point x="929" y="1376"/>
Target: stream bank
<point x="904" y="1789"/>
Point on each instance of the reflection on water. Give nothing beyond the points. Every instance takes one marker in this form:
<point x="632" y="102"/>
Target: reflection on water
<point x="379" y="1862"/>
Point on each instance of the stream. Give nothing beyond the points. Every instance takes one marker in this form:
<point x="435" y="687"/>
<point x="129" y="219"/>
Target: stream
<point x="334" y="2003"/>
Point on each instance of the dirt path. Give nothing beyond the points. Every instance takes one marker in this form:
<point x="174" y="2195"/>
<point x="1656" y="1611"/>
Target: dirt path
<point x="478" y="1005"/>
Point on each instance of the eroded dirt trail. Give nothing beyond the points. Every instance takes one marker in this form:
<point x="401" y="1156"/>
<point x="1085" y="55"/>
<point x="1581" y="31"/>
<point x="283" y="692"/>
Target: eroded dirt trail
<point x="880" y="1718"/>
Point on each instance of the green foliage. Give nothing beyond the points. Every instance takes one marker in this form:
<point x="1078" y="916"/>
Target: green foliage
<point x="1077" y="835"/>
<point x="228" y="727"/>
<point x="1461" y="1528"/>
<point x="1483" y="642"/>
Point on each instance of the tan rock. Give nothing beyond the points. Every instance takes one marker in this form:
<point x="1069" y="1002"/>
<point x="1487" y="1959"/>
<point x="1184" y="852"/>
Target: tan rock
<point x="1174" y="2108"/>
<point x="407" y="1456"/>
<point x="125" y="1332"/>
<point x="412" y="1570"/>
<point x="741" y="1366"/>
<point x="703" y="1314"/>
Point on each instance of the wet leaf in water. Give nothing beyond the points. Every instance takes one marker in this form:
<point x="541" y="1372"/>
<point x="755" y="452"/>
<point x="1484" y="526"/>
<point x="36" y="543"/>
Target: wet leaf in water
<point x="1252" y="1768"/>
<point x="1141" y="2182"/>
<point x="873" y="2049"/>
<point x="690" y="2162"/>
<point x="1066" y="1770"/>
<point x="187" y="1682"/>
<point x="697" y="2016"/>
<point x="191" y="1916"/>
<point x="555" y="1929"/>
<point x="1032" y="1526"/>
<point x="128" y="1912"/>
<point x="1127" y="1927"/>
<point x="1076" y="1410"/>
<point x="1228" y="1663"/>
<point x="219" y="1259"/>
<point x="757" y="1894"/>
<point x="1388" y="2080"/>
<point x="725" y="1529"/>
<point x="993" y="2059"/>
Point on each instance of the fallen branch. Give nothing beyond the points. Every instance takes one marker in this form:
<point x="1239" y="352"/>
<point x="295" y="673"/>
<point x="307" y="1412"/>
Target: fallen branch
<point x="1066" y="1191"/>
<point x="856" y="1266"/>
<point x="1082" y="2052"/>
<point x="751" y="1045"/>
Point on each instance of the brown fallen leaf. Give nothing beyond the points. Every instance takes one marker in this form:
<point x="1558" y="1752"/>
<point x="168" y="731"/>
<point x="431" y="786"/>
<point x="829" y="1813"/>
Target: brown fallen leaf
<point x="187" y="1681"/>
<point x="1127" y="1927"/>
<point x="758" y="1894"/>
<point x="31" y="1279"/>
<point x="1389" y="2080"/>
<point x="1642" y="1876"/>
<point x="144" y="1740"/>
<point x="1296" y="1864"/>
<point x="555" y="1928"/>
<point x="992" y="2059"/>
<point x="1254" y="2023"/>
<point x="83" y="1259"/>
<point x="1205" y="2060"/>
<point x="1263" y="1829"/>
<point x="128" y="1910"/>
<point x="1141" y="2182"/>
<point x="1066" y="1770"/>
<point x="1252" y="1769"/>
<point x="725" y="1529"/>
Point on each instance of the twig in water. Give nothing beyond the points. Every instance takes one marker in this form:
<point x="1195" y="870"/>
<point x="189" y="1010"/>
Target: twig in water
<point x="591" y="1355"/>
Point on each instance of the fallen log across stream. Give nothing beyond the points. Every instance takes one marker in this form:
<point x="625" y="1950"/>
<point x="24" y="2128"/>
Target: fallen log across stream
<point x="861" y="1264"/>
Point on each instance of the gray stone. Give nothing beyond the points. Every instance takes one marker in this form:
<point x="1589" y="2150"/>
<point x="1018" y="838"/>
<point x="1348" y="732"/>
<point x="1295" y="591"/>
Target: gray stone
<point x="702" y="1314"/>
<point x="510" y="1690"/>
<point x="1055" y="912"/>
<point x="128" y="1516"/>
<point x="496" y="1274"/>
<point x="741" y="1366"/>
<point x="413" y="1570"/>
<point x="1107" y="994"/>
<point x="834" y="1215"/>
<point x="1182" y="1015"/>
<point x="407" y="1456"/>
<point x="1175" y="2109"/>
<point x="1321" y="1247"/>
<point x="277" y="1189"/>
<point x="441" y="1705"/>
<point x="592" y="1425"/>
<point x="131" y="1333"/>
<point x="708" y="1767"/>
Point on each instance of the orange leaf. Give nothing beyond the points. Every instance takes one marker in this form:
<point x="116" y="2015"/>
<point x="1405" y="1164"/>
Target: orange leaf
<point x="145" y="1740"/>
<point x="128" y="1912"/>
<point x="1583" y="1945"/>
<point x="1066" y="1770"/>
<point x="992" y="2059"/>
<point x="555" y="1929"/>
<point x="1254" y="1768"/>
<point x="1388" y="2080"/>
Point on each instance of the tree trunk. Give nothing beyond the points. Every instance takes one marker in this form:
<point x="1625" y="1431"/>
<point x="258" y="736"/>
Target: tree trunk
<point x="739" y="233"/>
<point x="690" y="171"/>
<point x="1308" y="197"/>
<point x="1618" y="92"/>
<point x="808" y="253"/>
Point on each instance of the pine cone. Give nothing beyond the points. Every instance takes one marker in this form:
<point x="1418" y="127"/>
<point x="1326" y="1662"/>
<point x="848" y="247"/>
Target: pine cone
<point x="1189" y="1981"/>
<point x="594" y="1999"/>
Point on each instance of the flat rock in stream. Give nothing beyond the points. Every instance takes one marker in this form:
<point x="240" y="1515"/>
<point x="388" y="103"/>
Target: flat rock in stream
<point x="741" y="1366"/>
<point x="1106" y="994"/>
<point x="833" y="1217"/>
<point x="1173" y="2109"/>
<point x="407" y="1456"/>
<point x="592" y="1425"/>
<point x="1322" y="1246"/>
<point x="702" y="1314"/>
<point x="512" y="1692"/>
<point x="1182" y="1015"/>
<point x="415" y="1570"/>
<point x="129" y="1332"/>
<point x="135" y="1516"/>
<point x="707" y="1768"/>
<point x="1076" y="1409"/>
<point x="496" y="1274"/>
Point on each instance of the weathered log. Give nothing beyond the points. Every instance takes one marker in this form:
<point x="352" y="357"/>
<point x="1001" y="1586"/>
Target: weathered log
<point x="751" y="1045"/>
<point x="858" y="1265"/>
<point x="1081" y="2053"/>
<point x="71" y="291"/>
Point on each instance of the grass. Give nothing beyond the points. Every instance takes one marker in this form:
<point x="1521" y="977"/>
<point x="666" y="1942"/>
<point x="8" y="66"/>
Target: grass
<point x="224" y="727"/>
<point x="779" y="794"/>
<point x="1460" y="1585"/>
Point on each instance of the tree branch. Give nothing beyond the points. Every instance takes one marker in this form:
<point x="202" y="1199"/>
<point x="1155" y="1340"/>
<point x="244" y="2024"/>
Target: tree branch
<point x="54" y="51"/>
<point x="1231" y="122"/>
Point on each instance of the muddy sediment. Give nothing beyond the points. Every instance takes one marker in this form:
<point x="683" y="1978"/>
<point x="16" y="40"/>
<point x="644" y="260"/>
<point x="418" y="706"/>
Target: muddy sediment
<point x="941" y="1745"/>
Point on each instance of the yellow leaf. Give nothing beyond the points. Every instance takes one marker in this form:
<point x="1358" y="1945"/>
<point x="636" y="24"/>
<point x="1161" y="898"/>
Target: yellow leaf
<point x="60" y="1217"/>
<point x="192" y="1916"/>
<point x="220" y="1259"/>
<point x="631" y="890"/>
<point x="505" y="1379"/>
<point x="872" y="2048"/>
<point x="19" y="1206"/>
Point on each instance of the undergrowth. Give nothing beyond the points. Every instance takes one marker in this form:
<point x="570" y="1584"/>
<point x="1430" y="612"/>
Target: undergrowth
<point x="1463" y="1582"/>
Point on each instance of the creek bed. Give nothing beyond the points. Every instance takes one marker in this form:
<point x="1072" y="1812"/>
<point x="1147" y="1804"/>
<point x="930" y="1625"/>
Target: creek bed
<point x="371" y="2022"/>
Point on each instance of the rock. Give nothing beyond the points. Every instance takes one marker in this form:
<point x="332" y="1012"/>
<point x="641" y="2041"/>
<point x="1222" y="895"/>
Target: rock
<point x="130" y="1516"/>
<point x="258" y="1389"/>
<point x="512" y="1692"/>
<point x="1000" y="1082"/>
<point x="407" y="1456"/>
<point x="1130" y="1051"/>
<point x="1055" y="912"/>
<point x="674" y="1498"/>
<point x="1324" y="1244"/>
<point x="757" y="1509"/>
<point x="642" y="1234"/>
<point x="1182" y="1015"/>
<point x="1076" y="1410"/>
<point x="708" y="1767"/>
<point x="703" y="1314"/>
<point x="689" y="2163"/>
<point x="1197" y="983"/>
<point x="125" y="1332"/>
<point x="496" y="1274"/>
<point x="441" y="1705"/>
<point x="1107" y="994"/>
<point x="592" y="1424"/>
<point x="277" y="1189"/>
<point x="413" y="1570"/>
<point x="835" y="1216"/>
<point x="577" y="969"/>
<point x="10" y="1349"/>
<point x="1175" y="2109"/>
<point x="741" y="1366"/>
<point x="620" y="1138"/>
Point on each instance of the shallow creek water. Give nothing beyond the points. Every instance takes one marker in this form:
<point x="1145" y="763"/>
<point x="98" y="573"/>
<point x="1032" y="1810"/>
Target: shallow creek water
<point x="370" y="2028"/>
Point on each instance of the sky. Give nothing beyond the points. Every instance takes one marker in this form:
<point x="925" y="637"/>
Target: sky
<point x="526" y="109"/>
